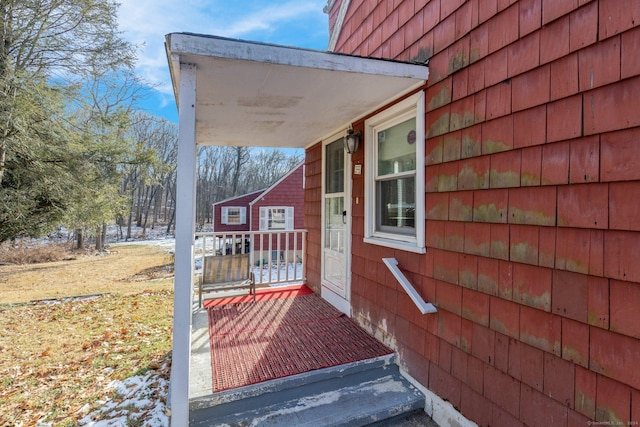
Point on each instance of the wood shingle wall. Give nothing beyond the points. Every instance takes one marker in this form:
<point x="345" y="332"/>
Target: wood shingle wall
<point x="532" y="206"/>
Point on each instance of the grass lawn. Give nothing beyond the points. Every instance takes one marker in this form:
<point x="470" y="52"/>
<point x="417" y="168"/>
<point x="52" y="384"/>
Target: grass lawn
<point x="56" y="359"/>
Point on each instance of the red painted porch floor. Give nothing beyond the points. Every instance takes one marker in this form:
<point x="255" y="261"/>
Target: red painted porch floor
<point x="285" y="332"/>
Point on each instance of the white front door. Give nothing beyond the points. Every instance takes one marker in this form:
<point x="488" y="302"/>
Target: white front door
<point x="336" y="227"/>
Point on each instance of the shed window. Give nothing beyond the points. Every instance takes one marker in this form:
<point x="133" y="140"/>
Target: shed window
<point x="234" y="215"/>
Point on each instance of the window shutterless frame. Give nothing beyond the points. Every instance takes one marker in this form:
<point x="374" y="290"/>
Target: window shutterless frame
<point x="395" y="176"/>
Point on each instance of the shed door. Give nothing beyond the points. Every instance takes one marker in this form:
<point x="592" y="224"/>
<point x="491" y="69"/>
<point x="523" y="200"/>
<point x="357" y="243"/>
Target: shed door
<point x="336" y="230"/>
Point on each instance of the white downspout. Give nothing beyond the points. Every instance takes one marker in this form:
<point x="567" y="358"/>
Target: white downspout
<point x="184" y="252"/>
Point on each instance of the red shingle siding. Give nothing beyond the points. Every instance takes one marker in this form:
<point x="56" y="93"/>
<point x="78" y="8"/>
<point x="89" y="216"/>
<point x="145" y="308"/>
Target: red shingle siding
<point x="532" y="229"/>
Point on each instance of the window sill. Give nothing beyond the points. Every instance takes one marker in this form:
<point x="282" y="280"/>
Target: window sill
<point x="396" y="244"/>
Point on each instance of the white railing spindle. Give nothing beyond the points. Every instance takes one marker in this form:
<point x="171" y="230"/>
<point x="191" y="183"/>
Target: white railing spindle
<point x="269" y="254"/>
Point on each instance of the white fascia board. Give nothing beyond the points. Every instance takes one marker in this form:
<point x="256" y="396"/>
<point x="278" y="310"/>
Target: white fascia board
<point x="217" y="47"/>
<point x="230" y="199"/>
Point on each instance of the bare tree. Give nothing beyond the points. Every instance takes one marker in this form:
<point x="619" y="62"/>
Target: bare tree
<point x="242" y="158"/>
<point x="146" y="183"/>
<point x="225" y="172"/>
<point x="62" y="38"/>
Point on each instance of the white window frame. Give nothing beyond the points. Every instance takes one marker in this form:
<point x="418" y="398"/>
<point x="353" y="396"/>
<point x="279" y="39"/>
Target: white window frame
<point x="406" y="109"/>
<point x="242" y="213"/>
<point x="265" y="215"/>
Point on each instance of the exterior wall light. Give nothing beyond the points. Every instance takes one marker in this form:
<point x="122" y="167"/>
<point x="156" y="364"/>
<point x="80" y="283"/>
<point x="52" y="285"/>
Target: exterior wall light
<point x="351" y="141"/>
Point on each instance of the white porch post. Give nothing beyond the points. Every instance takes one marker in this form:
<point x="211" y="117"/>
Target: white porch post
<point x="184" y="253"/>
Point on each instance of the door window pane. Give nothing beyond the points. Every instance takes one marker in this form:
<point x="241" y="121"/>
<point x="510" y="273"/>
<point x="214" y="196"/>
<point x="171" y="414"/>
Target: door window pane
<point x="334" y="167"/>
<point x="334" y="224"/>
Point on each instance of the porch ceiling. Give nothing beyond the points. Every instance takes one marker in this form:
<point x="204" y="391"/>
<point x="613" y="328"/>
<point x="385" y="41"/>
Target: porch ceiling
<point x="261" y="95"/>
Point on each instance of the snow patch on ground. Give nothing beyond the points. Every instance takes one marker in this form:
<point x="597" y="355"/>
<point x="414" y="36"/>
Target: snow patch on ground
<point x="139" y="400"/>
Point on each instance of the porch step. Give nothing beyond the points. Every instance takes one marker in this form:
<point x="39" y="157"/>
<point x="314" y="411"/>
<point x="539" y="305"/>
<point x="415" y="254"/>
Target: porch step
<point x="356" y="394"/>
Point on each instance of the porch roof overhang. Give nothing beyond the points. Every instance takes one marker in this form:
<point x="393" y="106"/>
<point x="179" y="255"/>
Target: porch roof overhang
<point x="262" y="95"/>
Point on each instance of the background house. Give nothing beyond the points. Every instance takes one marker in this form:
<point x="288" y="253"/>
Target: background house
<point x="531" y="190"/>
<point x="277" y="208"/>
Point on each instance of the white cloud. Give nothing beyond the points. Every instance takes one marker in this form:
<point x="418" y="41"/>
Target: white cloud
<point x="269" y="18"/>
<point x="146" y="22"/>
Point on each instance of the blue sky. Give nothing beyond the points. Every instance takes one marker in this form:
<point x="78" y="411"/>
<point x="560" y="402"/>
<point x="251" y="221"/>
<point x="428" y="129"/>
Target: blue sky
<point x="300" y="23"/>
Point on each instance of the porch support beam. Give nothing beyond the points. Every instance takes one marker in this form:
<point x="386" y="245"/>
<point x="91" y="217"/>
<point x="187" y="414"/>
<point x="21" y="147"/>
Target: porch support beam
<point x="184" y="252"/>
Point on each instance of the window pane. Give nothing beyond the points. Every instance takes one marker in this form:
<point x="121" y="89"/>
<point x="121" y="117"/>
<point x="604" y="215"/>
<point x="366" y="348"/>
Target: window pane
<point x="397" y="148"/>
<point x="233" y="216"/>
<point x="335" y="167"/>
<point x="397" y="205"/>
<point x="277" y="219"/>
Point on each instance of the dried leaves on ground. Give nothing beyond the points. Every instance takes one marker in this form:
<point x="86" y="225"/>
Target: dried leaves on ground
<point x="57" y="358"/>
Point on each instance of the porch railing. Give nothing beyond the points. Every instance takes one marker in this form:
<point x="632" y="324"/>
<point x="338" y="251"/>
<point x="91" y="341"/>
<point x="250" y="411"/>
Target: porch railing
<point x="277" y="257"/>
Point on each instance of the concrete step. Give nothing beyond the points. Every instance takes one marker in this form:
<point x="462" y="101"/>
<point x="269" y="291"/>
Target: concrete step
<point x="356" y="394"/>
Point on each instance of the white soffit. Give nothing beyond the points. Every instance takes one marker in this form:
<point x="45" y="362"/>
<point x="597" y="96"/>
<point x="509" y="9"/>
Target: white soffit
<point x="261" y="95"/>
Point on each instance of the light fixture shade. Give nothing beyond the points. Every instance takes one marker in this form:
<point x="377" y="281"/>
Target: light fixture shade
<point x="351" y="141"/>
